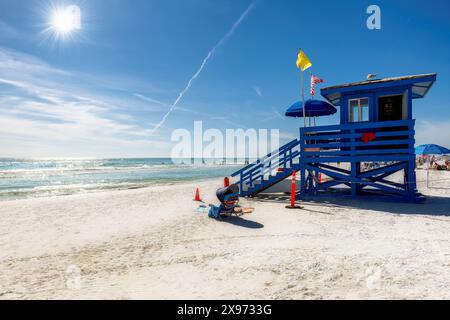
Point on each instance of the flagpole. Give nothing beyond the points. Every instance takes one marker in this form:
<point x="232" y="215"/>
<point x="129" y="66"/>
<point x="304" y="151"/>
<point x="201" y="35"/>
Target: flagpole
<point x="312" y="97"/>
<point x="303" y="100"/>
<point x="303" y="63"/>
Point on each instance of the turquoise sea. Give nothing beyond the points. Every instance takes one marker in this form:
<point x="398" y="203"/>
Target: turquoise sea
<point x="27" y="178"/>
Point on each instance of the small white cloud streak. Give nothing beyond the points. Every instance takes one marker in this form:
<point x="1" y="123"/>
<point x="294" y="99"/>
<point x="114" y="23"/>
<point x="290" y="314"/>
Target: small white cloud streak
<point x="202" y="66"/>
<point x="13" y="61"/>
<point x="258" y="91"/>
<point x="148" y="99"/>
<point x="275" y="115"/>
<point x="8" y="31"/>
<point x="177" y="108"/>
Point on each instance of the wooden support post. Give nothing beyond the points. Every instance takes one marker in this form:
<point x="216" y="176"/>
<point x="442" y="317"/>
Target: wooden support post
<point x="411" y="182"/>
<point x="290" y="158"/>
<point x="241" y="185"/>
<point x="358" y="172"/>
<point x="353" y="165"/>
<point x="302" y="180"/>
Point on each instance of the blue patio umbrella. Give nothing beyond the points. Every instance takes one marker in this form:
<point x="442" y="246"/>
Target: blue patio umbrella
<point x="313" y="108"/>
<point x="425" y="149"/>
<point x="428" y="149"/>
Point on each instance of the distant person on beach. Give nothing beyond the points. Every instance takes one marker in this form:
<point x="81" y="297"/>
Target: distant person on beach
<point x="433" y="162"/>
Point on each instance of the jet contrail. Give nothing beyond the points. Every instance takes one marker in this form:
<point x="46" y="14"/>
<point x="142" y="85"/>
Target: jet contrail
<point x="205" y="61"/>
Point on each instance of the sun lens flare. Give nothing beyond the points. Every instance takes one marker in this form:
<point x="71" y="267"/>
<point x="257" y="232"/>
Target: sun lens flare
<point x="62" y="22"/>
<point x="65" y="21"/>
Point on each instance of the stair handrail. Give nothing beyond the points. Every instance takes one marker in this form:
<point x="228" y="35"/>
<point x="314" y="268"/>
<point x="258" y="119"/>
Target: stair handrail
<point x="272" y="154"/>
<point x="257" y="170"/>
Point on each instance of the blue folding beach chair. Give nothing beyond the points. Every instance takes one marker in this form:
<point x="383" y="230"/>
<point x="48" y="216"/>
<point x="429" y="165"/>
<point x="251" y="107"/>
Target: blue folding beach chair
<point x="229" y="199"/>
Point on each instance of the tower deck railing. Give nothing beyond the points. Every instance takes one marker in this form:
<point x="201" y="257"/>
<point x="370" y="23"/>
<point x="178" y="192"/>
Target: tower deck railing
<point x="358" y="142"/>
<point x="360" y="156"/>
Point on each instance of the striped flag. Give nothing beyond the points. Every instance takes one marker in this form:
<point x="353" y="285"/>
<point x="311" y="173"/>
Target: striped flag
<point x="314" y="81"/>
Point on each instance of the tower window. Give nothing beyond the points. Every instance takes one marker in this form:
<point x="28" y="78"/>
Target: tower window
<point x="358" y="110"/>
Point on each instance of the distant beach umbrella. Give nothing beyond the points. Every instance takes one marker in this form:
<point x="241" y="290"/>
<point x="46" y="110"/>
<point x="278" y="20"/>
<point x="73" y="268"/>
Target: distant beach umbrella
<point x="313" y="108"/>
<point x="426" y="149"/>
<point x="431" y="149"/>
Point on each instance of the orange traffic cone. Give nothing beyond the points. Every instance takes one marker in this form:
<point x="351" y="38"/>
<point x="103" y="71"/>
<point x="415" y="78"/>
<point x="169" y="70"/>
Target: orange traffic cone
<point x="197" y="195"/>
<point x="292" y="205"/>
<point x="226" y="182"/>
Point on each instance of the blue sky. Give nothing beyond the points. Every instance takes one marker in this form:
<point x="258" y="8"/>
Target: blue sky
<point x="100" y="92"/>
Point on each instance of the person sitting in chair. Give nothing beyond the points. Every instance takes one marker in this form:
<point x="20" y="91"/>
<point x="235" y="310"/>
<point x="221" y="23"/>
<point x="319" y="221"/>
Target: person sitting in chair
<point x="229" y="199"/>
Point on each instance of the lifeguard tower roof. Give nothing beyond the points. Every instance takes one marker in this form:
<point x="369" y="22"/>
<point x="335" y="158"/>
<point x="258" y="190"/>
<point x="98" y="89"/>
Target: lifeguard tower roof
<point x="420" y="84"/>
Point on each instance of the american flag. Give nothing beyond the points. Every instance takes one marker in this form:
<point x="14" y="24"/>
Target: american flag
<point x="314" y="80"/>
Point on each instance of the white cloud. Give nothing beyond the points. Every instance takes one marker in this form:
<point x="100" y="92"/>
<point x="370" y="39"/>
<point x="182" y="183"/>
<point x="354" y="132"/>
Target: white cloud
<point x="18" y="65"/>
<point x="44" y="114"/>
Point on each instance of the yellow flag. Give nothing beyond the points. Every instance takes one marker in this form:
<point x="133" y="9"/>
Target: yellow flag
<point x="303" y="62"/>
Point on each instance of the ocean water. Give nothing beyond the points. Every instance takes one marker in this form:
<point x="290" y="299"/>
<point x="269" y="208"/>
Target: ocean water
<point x="27" y="178"/>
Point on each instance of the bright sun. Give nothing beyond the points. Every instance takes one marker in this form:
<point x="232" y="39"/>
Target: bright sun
<point x="64" y="21"/>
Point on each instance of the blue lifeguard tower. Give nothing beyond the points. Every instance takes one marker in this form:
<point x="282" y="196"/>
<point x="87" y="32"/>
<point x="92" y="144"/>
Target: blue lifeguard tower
<point x="374" y="140"/>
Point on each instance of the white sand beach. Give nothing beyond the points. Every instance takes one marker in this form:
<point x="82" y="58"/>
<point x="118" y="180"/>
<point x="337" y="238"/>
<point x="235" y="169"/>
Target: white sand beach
<point x="150" y="244"/>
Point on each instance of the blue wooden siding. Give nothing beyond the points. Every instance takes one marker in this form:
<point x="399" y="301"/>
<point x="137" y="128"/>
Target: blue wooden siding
<point x="373" y="101"/>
